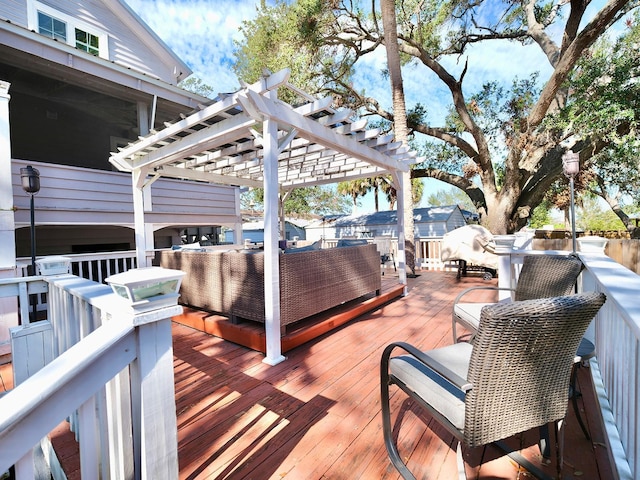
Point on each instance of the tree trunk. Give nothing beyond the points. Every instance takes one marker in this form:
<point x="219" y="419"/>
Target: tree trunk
<point x="401" y="130"/>
<point x="375" y="194"/>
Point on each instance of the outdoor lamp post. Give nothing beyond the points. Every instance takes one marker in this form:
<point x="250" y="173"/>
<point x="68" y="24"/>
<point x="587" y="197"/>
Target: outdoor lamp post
<point x="31" y="184"/>
<point x="571" y="167"/>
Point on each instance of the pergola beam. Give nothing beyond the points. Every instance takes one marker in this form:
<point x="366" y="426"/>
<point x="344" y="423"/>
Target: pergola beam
<point x="201" y="176"/>
<point x="317" y="133"/>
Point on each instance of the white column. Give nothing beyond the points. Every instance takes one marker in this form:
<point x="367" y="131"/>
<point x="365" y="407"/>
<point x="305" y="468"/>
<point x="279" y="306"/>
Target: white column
<point x="8" y="306"/>
<point x="7" y="225"/>
<point x="402" y="259"/>
<point x="271" y="250"/>
<point x="137" y="177"/>
<point x="142" y="198"/>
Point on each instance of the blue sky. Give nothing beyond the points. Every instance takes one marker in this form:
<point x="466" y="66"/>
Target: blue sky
<point x="201" y="32"/>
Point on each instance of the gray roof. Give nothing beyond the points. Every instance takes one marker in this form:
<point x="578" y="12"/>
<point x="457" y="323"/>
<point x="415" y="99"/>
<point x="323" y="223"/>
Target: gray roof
<point x="388" y="217"/>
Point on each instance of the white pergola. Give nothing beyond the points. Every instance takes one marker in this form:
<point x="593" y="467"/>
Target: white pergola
<point x="251" y="138"/>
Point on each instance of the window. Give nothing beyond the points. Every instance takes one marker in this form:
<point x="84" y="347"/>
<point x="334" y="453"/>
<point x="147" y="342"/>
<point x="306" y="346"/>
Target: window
<point x="64" y="28"/>
<point x="52" y="27"/>
<point x="87" y="42"/>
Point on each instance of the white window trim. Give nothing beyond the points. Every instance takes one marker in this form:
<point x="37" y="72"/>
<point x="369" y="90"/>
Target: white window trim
<point x="33" y="7"/>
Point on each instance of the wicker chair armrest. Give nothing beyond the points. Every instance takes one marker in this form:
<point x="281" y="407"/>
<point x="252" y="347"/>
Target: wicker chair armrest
<point x="468" y="290"/>
<point x="454" y="379"/>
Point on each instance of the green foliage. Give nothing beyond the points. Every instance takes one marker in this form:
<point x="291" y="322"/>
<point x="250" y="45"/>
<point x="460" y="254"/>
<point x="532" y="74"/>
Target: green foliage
<point x="592" y="216"/>
<point x="301" y="202"/>
<point x="287" y="35"/>
<point x="604" y="107"/>
<point x="498" y="111"/>
<point x="196" y="85"/>
<point x="452" y="196"/>
<point x="541" y="215"/>
<point x="442" y="156"/>
<point x="417" y="190"/>
<point x="354" y="189"/>
<point x="493" y="144"/>
<point x="318" y="200"/>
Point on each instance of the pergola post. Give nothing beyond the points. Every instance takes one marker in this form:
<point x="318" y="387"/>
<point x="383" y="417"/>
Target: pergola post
<point x="398" y="179"/>
<point x="271" y="249"/>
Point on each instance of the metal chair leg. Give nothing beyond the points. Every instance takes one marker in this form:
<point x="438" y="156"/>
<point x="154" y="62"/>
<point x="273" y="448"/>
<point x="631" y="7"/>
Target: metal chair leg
<point x="574" y="399"/>
<point x="387" y="431"/>
<point x="559" y="431"/>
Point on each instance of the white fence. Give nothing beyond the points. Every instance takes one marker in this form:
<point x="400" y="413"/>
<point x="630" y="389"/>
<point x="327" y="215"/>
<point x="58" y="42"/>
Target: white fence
<point x="428" y="251"/>
<point x="112" y="373"/>
<point x="617" y="338"/>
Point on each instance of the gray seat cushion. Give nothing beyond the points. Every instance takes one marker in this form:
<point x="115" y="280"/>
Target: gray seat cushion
<point x="469" y="313"/>
<point x="431" y="387"/>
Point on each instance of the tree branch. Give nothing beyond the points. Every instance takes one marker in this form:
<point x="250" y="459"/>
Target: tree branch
<point x="570" y="56"/>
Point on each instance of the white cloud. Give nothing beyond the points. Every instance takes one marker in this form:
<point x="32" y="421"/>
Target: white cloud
<point x="200" y="32"/>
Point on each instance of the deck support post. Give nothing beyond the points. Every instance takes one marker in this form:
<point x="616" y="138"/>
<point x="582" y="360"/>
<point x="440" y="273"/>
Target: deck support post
<point x="506" y="278"/>
<point x="153" y="403"/>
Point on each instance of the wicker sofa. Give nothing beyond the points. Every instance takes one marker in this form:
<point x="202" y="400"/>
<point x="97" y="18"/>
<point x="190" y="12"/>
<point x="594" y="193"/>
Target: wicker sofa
<point x="311" y="281"/>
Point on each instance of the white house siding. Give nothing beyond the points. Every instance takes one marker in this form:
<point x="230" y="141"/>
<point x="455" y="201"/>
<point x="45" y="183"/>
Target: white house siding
<point x="74" y="196"/>
<point x="137" y="48"/>
<point x="438" y="229"/>
<point x="196" y="203"/>
<point x="14" y="11"/>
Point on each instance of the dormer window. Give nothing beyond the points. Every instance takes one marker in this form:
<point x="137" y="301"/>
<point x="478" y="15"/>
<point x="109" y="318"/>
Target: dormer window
<point x="64" y="28"/>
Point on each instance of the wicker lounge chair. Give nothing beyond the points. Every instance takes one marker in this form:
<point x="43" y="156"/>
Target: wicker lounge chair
<point x="512" y="379"/>
<point x="541" y="276"/>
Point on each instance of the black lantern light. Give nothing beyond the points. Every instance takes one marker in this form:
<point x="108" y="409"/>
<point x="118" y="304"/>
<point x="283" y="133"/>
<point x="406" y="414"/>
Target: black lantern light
<point x="571" y="168"/>
<point x="30" y="179"/>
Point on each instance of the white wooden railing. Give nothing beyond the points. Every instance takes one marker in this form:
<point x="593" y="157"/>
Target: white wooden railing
<point x="112" y="373"/>
<point x="617" y="370"/>
<point x="92" y="266"/>
<point x="616" y="334"/>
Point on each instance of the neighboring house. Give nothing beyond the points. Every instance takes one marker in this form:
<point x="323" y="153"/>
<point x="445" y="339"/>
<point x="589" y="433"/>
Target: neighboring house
<point x="428" y="222"/>
<point x="254" y="231"/>
<point x="78" y="79"/>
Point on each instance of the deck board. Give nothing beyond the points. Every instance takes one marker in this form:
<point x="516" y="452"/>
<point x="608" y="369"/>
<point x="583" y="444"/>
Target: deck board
<point x="317" y="414"/>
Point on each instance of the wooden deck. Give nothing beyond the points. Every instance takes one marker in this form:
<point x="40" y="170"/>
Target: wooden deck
<point x="317" y="414"/>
